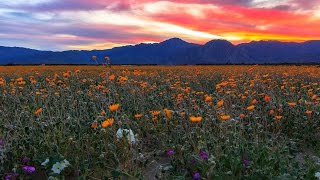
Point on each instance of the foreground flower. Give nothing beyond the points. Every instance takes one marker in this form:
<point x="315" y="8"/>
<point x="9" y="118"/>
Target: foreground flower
<point x="38" y="112"/>
<point x="58" y="167"/>
<point x="195" y="118"/>
<point x="114" y="107"/>
<point x="138" y="116"/>
<point x="317" y="175"/>
<point x="11" y="176"/>
<point x="271" y="112"/>
<point x="155" y="113"/>
<point x="250" y="108"/>
<point x="246" y="163"/>
<point x="2" y="142"/>
<point x="25" y="160"/>
<point x="220" y="103"/>
<point x="309" y="112"/>
<point x="267" y="98"/>
<point x="170" y="153"/>
<point x="168" y="113"/>
<point x="107" y="122"/>
<point x="94" y="125"/>
<point x="128" y="133"/>
<point x="112" y="77"/>
<point x="29" y="169"/>
<point x="254" y="101"/>
<point x="225" y="117"/>
<point x="292" y="104"/>
<point x="204" y="155"/>
<point x="65" y="163"/>
<point x="208" y="99"/>
<point x="196" y="176"/>
<point x="44" y="163"/>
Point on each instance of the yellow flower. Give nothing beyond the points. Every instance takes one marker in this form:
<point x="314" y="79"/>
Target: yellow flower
<point x="250" y="108"/>
<point x="107" y="122"/>
<point x="114" y="107"/>
<point x="195" y="118"/>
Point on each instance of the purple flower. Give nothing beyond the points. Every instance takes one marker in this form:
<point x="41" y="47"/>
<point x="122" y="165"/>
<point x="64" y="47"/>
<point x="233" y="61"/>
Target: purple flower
<point x="2" y="142"/>
<point x="196" y="176"/>
<point x="246" y="163"/>
<point x="170" y="153"/>
<point x="25" y="160"/>
<point x="193" y="161"/>
<point x="29" y="169"/>
<point x="11" y="176"/>
<point x="204" y="155"/>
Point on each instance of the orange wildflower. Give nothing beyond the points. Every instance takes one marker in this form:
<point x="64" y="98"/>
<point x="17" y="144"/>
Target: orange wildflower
<point x="155" y="113"/>
<point x="168" y="113"/>
<point x="195" y="118"/>
<point x="138" y="116"/>
<point x="267" y="98"/>
<point x="112" y="77"/>
<point x="103" y="113"/>
<point x="114" y="107"/>
<point x="250" y="108"/>
<point x="314" y="97"/>
<point x="278" y="117"/>
<point x="225" y="117"/>
<point x="38" y="112"/>
<point x="94" y="125"/>
<point x="208" y="99"/>
<point x="107" y="122"/>
<point x="271" y="112"/>
<point x="220" y="103"/>
<point x="292" y="104"/>
<point x="309" y="112"/>
<point x="254" y="101"/>
<point x="182" y="114"/>
<point x="242" y="116"/>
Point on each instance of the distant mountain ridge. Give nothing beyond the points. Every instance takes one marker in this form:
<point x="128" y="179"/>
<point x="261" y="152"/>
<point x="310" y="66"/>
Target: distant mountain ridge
<point x="175" y="51"/>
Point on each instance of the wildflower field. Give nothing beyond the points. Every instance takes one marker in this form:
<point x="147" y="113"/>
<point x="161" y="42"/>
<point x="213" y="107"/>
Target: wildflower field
<point x="164" y="122"/>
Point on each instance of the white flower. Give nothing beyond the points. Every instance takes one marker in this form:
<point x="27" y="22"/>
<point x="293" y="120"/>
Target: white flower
<point x="44" y="163"/>
<point x="128" y="133"/>
<point x="317" y="175"/>
<point x="65" y="163"/>
<point x="57" y="168"/>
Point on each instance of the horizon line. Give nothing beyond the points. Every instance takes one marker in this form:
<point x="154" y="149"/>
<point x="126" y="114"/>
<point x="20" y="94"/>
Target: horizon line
<point x="262" y="40"/>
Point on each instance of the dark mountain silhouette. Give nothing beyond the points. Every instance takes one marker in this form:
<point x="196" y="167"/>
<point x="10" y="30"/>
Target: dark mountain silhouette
<point x="176" y="51"/>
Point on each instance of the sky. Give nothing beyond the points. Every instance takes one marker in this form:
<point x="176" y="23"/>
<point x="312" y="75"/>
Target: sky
<point x="103" y="24"/>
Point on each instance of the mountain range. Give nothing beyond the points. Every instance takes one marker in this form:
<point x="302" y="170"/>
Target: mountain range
<point x="175" y="51"/>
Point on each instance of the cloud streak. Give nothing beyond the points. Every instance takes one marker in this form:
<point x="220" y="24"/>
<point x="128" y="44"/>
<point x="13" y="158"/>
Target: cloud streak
<point x="101" y="24"/>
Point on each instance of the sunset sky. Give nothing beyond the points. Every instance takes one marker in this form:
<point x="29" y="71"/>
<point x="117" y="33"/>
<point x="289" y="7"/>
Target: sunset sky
<point x="102" y="24"/>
